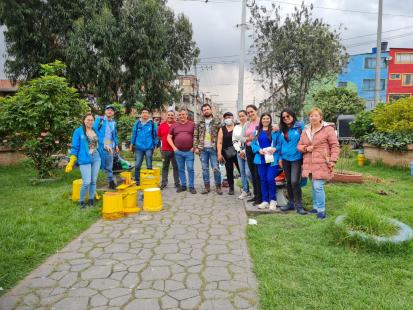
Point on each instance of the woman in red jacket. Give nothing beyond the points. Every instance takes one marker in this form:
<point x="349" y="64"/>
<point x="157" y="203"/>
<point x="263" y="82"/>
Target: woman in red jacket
<point x="320" y="148"/>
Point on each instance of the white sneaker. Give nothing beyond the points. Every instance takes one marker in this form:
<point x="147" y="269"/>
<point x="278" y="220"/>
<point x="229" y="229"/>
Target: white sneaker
<point x="263" y="205"/>
<point x="243" y="195"/>
<point x="273" y="205"/>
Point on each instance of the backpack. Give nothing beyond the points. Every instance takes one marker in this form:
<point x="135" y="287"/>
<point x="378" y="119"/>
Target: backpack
<point x="139" y="127"/>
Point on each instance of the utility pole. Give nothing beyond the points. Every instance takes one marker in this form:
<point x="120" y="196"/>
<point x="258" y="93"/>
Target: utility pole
<point x="378" y="55"/>
<point x="194" y="96"/>
<point x="240" y="100"/>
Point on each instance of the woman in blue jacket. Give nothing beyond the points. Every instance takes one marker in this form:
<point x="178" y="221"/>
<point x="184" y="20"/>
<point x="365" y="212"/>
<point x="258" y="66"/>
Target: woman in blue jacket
<point x="291" y="159"/>
<point x="266" y="156"/>
<point x="87" y="151"/>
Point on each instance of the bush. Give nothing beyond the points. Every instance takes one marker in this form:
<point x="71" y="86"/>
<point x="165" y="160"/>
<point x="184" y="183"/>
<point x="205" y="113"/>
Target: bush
<point x="362" y="125"/>
<point x="41" y="117"/>
<point x="395" y="117"/>
<point x="390" y="141"/>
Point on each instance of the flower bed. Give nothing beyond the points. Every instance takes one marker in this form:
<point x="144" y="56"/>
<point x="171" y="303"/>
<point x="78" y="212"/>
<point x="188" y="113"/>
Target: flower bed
<point x="391" y="158"/>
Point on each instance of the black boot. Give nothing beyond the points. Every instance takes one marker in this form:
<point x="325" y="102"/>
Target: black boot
<point x="231" y="190"/>
<point x="288" y="207"/>
<point x="112" y="185"/>
<point x="91" y="202"/>
<point x="82" y="205"/>
<point x="300" y="209"/>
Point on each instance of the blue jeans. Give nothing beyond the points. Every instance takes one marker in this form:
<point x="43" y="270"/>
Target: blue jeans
<point x="267" y="175"/>
<point x="245" y="173"/>
<point x="138" y="162"/>
<point x="319" y="196"/>
<point x="209" y="155"/>
<point x="182" y="159"/>
<point x="108" y="165"/>
<point x="89" y="174"/>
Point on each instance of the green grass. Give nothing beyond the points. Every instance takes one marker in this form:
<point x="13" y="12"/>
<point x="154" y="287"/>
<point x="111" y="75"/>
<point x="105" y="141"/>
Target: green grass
<point x="299" y="265"/>
<point x="35" y="220"/>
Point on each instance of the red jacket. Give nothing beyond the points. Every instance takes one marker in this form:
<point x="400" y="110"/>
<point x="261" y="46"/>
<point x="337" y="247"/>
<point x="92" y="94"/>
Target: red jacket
<point x="325" y="148"/>
<point x="163" y="131"/>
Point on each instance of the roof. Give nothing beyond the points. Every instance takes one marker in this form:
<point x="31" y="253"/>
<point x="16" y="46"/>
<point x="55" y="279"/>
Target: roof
<point x="6" y="85"/>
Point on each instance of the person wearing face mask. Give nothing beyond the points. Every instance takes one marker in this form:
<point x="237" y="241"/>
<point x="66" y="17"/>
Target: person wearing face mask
<point x="320" y="148"/>
<point x="226" y="150"/>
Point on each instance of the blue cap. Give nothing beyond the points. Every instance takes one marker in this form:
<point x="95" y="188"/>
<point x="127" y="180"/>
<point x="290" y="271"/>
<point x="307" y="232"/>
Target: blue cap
<point x="110" y="107"/>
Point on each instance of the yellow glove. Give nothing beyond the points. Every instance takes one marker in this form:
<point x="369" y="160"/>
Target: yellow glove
<point x="71" y="163"/>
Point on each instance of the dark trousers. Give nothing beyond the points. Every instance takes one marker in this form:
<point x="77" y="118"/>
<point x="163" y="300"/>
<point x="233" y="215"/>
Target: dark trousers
<point x="229" y="167"/>
<point x="292" y="171"/>
<point x="167" y="158"/>
<point x="254" y="174"/>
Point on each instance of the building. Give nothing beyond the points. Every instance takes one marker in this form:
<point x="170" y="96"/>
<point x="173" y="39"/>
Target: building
<point x="361" y="70"/>
<point x="7" y="88"/>
<point x="400" y="73"/>
<point x="190" y="99"/>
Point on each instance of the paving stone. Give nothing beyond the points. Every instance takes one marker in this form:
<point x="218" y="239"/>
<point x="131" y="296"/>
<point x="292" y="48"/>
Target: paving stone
<point x="84" y="291"/>
<point x="118" y="275"/>
<point x="168" y="302"/>
<point x="242" y="303"/>
<point x="183" y="294"/>
<point x="216" y="274"/>
<point x="96" y="272"/>
<point x="98" y="300"/>
<point x="131" y="280"/>
<point x="72" y="303"/>
<point x="42" y="282"/>
<point x="104" y="284"/>
<point x="190" y="303"/>
<point x="120" y="301"/>
<point x="171" y="285"/>
<point x="31" y="300"/>
<point x="155" y="273"/>
<point x="148" y="293"/>
<point x="116" y="292"/>
<point x="193" y="281"/>
<point x="147" y="304"/>
<point x="68" y="280"/>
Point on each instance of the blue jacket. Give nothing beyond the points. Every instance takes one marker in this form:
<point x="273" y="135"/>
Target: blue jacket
<point x="288" y="149"/>
<point x="80" y="147"/>
<point x="102" y="123"/>
<point x="144" y="136"/>
<point x="255" y="146"/>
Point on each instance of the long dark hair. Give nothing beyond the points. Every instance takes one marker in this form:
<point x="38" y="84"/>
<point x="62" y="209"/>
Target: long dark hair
<point x="283" y="126"/>
<point x="83" y="121"/>
<point x="260" y="127"/>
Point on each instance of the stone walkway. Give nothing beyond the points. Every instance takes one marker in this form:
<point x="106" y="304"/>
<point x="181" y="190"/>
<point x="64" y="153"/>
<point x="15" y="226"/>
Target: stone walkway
<point x="192" y="255"/>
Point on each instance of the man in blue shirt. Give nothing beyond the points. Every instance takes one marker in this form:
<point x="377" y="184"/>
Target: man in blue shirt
<point x="105" y="126"/>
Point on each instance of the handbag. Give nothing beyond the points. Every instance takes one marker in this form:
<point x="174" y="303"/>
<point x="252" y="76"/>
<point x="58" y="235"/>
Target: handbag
<point x="229" y="152"/>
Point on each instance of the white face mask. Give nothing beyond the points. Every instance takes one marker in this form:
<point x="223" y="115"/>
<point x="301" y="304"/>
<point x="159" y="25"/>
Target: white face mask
<point x="228" y="121"/>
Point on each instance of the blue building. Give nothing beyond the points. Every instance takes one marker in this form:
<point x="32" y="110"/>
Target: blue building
<point x="361" y="70"/>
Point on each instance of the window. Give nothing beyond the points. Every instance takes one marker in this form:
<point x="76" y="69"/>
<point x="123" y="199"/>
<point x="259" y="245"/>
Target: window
<point x="186" y="98"/>
<point x="407" y="79"/>
<point x="186" y="82"/>
<point x="395" y="76"/>
<point x="404" y="58"/>
<point x="369" y="84"/>
<point x="393" y="97"/>
<point x="370" y="62"/>
<point x="342" y="84"/>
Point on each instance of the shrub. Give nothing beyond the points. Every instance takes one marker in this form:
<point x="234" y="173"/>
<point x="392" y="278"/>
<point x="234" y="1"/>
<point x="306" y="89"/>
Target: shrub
<point x="362" y="125"/>
<point x="395" y="117"/>
<point x="390" y="141"/>
<point x="41" y="117"/>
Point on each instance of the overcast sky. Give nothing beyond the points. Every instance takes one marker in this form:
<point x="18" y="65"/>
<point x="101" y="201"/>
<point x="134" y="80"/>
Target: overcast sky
<point x="216" y="33"/>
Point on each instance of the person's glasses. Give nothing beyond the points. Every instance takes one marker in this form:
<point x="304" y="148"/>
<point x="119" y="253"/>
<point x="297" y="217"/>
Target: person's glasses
<point x="287" y="116"/>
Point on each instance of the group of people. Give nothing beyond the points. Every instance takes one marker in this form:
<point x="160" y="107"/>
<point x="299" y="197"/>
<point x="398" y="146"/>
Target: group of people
<point x="254" y="146"/>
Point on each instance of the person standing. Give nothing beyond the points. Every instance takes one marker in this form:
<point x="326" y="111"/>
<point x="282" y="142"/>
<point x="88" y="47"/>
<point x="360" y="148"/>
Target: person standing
<point x="320" y="148"/>
<point x="105" y="127"/>
<point x="167" y="151"/>
<point x="205" y="144"/>
<point x="143" y="141"/>
<point x="291" y="159"/>
<point x="180" y="138"/>
<point x="250" y="129"/>
<point x="238" y="140"/>
<point x="226" y="151"/>
<point x="86" y="150"/>
<point x="266" y="158"/>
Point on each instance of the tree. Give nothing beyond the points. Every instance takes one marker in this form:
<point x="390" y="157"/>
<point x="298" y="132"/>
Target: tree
<point x="294" y="52"/>
<point x="41" y="117"/>
<point x="395" y="117"/>
<point x="338" y="101"/>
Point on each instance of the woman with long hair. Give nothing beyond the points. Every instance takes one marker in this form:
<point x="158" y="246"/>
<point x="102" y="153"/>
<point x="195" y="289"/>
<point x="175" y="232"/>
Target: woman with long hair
<point x="291" y="159"/>
<point x="238" y="140"/>
<point x="266" y="159"/>
<point x="320" y="148"/>
<point x="250" y="129"/>
<point x="87" y="151"/>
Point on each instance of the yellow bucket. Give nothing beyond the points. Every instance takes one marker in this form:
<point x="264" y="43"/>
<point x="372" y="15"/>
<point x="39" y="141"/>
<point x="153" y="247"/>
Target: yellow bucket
<point x="112" y="206"/>
<point x="152" y="200"/>
<point x="129" y="196"/>
<point x="361" y="159"/>
<point x="76" y="185"/>
<point x="127" y="175"/>
<point x="157" y="173"/>
<point x="146" y="172"/>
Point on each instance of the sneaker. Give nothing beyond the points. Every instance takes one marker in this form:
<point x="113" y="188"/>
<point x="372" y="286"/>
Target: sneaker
<point x="263" y="205"/>
<point x="288" y="207"/>
<point x="91" y="202"/>
<point x="181" y="189"/>
<point x="321" y="215"/>
<point x="243" y="195"/>
<point x="301" y="211"/>
<point x="273" y="205"/>
<point x="192" y="190"/>
<point x="312" y="211"/>
<point x="82" y="205"/>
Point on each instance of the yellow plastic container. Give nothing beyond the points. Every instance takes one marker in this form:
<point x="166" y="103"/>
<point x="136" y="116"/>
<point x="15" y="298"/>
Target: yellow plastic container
<point x="152" y="200"/>
<point x="129" y="197"/>
<point x="112" y="206"/>
<point x="149" y="182"/>
<point x="76" y="185"/>
<point x="361" y="159"/>
<point x="127" y="175"/>
<point x="146" y="172"/>
<point x="157" y="173"/>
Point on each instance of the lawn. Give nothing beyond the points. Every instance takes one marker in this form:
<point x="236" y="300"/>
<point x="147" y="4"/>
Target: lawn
<point x="299" y="266"/>
<point x="35" y="220"/>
